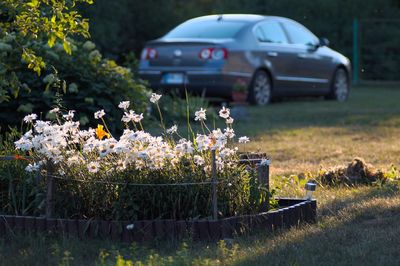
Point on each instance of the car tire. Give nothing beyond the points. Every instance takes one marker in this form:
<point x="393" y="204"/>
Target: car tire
<point x="340" y="86"/>
<point x="260" y="90"/>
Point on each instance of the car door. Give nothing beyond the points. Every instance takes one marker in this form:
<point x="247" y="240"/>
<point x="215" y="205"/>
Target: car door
<point x="275" y="52"/>
<point x="310" y="71"/>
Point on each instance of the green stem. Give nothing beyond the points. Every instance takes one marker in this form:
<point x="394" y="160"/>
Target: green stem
<point x="105" y="125"/>
<point x="190" y="130"/>
<point x="161" y="118"/>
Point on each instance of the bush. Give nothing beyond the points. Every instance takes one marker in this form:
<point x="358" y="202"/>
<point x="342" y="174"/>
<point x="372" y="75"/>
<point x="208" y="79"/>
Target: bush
<point x="84" y="81"/>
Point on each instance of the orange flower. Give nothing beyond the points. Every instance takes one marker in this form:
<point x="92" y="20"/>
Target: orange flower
<point x="19" y="157"/>
<point x="100" y="133"/>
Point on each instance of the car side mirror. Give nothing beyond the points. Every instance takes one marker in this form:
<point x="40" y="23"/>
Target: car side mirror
<point x="323" y="42"/>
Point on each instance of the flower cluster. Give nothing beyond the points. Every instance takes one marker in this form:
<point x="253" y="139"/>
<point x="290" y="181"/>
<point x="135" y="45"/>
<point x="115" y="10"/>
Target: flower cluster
<point x="69" y="147"/>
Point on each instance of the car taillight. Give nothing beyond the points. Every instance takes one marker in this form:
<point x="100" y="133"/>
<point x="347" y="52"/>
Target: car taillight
<point x="213" y="53"/>
<point x="149" y="53"/>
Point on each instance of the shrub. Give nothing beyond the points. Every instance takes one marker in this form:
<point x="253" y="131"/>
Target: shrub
<point x="93" y="83"/>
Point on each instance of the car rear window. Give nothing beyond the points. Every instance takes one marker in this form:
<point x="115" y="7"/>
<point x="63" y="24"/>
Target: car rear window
<point x="206" y="29"/>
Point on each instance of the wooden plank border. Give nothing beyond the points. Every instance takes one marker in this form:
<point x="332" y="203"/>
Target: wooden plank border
<point x="294" y="213"/>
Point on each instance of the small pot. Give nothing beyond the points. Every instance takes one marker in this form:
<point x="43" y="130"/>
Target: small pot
<point x="239" y="96"/>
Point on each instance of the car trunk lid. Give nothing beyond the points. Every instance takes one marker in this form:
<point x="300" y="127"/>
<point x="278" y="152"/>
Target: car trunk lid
<point x="183" y="52"/>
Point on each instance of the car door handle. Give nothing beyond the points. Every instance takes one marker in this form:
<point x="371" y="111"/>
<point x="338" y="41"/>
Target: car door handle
<point x="272" y="54"/>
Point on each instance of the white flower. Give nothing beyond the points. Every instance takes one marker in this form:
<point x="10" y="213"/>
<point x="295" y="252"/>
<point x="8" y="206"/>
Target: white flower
<point x="137" y="118"/>
<point x="229" y="120"/>
<point x="131" y="116"/>
<point x="226" y="152"/>
<point x="121" y="165"/>
<point x="224" y="112"/>
<point x="219" y="139"/>
<point x="75" y="159"/>
<point x="244" y="139"/>
<point x="220" y="164"/>
<point x="207" y="169"/>
<point x="184" y="146"/>
<point x="200" y="115"/>
<point x="24" y="143"/>
<point x="127" y="117"/>
<point x="33" y="167"/>
<point x="155" y="97"/>
<point x="143" y="155"/>
<point x="30" y="118"/>
<point x="203" y="142"/>
<point x="172" y="129"/>
<point x="54" y="110"/>
<point x="229" y="132"/>
<point x="198" y="160"/>
<point x="41" y="125"/>
<point x="70" y="115"/>
<point x="124" y="105"/>
<point x="93" y="167"/>
<point x="99" y="114"/>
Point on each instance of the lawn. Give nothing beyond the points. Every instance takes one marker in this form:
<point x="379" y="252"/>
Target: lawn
<point x="356" y="225"/>
<point x="304" y="135"/>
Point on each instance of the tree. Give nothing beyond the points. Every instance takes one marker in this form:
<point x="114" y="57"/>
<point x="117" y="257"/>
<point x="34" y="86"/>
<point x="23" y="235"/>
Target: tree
<point x="24" y="24"/>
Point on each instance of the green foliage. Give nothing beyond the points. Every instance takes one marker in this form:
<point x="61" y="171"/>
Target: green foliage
<point x="93" y="83"/>
<point x="125" y="202"/>
<point x="175" y="108"/>
<point x="24" y="194"/>
<point x="22" y="23"/>
<point x="20" y="193"/>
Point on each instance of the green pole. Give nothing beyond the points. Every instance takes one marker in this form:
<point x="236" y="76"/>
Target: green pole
<point x="356" y="62"/>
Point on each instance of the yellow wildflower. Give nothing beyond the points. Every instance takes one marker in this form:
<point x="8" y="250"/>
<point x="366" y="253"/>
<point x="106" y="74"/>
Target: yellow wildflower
<point x="100" y="133"/>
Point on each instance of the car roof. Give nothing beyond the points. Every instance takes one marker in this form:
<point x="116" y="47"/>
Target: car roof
<point x="237" y="17"/>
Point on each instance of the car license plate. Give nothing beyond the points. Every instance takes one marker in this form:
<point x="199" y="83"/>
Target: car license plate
<point x="173" y="78"/>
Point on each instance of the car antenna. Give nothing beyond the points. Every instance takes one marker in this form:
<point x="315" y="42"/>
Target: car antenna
<point x="219" y="17"/>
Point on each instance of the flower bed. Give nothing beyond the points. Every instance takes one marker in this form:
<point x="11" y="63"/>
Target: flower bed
<point x="138" y="175"/>
<point x="143" y="187"/>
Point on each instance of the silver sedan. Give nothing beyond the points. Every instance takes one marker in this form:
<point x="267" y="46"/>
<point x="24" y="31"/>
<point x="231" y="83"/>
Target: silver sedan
<point x="266" y="56"/>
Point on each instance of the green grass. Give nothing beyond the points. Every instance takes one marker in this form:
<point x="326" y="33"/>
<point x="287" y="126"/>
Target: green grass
<point x="356" y="226"/>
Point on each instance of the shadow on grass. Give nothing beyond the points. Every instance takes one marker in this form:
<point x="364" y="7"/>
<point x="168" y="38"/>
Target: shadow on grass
<point x="360" y="230"/>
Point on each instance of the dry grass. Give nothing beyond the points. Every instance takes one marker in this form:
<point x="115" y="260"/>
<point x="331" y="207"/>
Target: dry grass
<point x="305" y="135"/>
<point x="356" y="227"/>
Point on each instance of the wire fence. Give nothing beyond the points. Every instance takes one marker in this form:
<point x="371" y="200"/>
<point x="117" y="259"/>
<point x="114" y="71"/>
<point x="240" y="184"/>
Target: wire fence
<point x="135" y="184"/>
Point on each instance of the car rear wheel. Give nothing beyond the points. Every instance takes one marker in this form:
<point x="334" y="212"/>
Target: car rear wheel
<point x="340" y="86"/>
<point x="260" y="90"/>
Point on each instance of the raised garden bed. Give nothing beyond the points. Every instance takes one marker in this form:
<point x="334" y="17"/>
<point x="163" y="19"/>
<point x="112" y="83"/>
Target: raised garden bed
<point x="293" y="213"/>
<point x="75" y="180"/>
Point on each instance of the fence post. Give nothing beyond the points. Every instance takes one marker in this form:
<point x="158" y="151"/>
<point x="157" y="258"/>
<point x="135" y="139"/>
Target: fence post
<point x="356" y="51"/>
<point x="50" y="187"/>
<point x="263" y="178"/>
<point x="214" y="185"/>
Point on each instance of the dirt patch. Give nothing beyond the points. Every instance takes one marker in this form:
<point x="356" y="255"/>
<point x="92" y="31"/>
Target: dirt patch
<point x="356" y="172"/>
